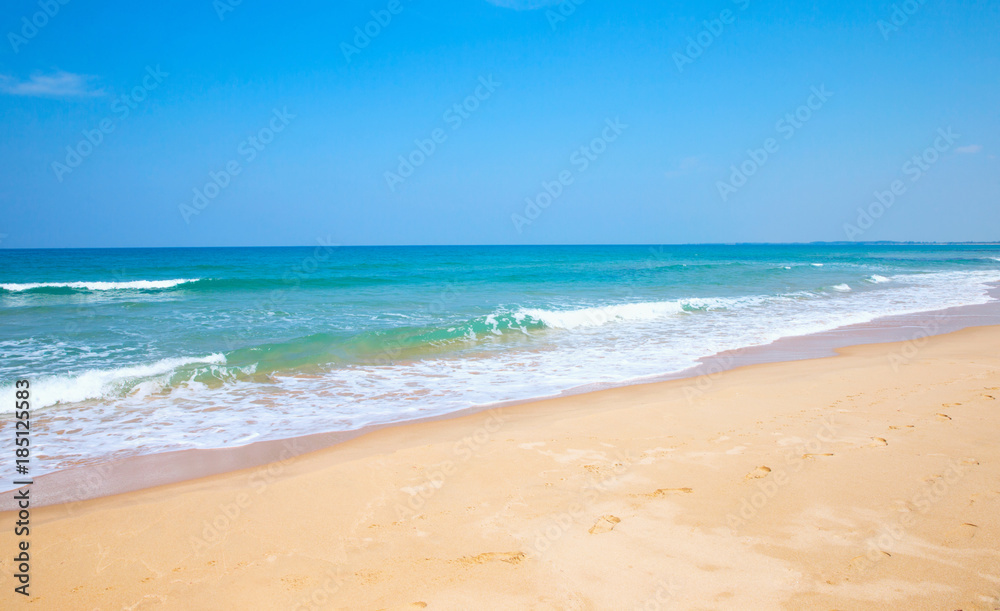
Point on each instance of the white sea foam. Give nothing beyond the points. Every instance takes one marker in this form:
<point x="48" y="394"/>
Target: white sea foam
<point x="875" y="278"/>
<point x="601" y="344"/>
<point x="642" y="312"/>
<point x="100" y="286"/>
<point x="816" y="264"/>
<point x="842" y="288"/>
<point x="98" y="383"/>
<point x="597" y="316"/>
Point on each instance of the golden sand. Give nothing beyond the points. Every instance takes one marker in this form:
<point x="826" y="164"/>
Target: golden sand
<point x="869" y="480"/>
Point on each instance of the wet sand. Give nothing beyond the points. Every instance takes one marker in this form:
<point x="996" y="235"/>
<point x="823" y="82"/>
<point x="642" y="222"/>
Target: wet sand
<point x="866" y="480"/>
<point x="94" y="480"/>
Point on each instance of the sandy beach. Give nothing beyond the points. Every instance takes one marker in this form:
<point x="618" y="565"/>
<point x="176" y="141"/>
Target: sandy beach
<point x="549" y="305"/>
<point x="868" y="480"/>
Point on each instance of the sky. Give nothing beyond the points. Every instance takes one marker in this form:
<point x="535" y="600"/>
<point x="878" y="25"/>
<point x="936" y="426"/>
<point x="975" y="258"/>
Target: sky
<point x="239" y="123"/>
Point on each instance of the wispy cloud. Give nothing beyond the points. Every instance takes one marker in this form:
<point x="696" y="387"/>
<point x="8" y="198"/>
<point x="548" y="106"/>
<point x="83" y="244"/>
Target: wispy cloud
<point x="524" y="5"/>
<point x="685" y="167"/>
<point x="970" y="149"/>
<point x="56" y="85"/>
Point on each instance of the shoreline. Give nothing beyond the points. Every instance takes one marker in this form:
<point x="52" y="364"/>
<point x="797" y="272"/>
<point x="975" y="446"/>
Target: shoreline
<point x="866" y="480"/>
<point x="136" y="473"/>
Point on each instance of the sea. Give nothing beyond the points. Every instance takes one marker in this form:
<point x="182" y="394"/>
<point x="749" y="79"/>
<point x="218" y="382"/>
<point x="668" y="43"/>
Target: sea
<point x="140" y="351"/>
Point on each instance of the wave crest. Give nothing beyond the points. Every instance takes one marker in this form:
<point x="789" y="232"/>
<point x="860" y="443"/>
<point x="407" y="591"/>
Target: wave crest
<point x="98" y="383"/>
<point x="597" y="316"/>
<point x="136" y="285"/>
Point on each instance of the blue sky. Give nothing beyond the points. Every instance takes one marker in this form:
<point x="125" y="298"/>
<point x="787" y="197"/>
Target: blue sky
<point x="524" y="122"/>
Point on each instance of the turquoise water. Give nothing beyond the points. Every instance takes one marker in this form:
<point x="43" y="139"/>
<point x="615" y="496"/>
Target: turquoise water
<point x="146" y="350"/>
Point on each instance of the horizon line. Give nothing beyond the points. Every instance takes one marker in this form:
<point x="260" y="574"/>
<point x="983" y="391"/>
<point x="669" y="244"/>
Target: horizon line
<point x="812" y="243"/>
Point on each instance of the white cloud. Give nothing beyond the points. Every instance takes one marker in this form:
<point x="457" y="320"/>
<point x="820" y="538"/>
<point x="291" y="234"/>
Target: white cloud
<point x="970" y="149"/>
<point x="58" y="84"/>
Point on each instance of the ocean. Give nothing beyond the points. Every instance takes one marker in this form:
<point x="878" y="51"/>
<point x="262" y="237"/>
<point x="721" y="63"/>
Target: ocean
<point x="138" y="351"/>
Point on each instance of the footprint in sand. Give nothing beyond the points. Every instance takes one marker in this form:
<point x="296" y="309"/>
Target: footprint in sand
<point x="604" y="524"/>
<point x="943" y="417"/>
<point x="960" y="534"/>
<point x="508" y="557"/>
<point x="970" y="461"/>
<point x="879" y="442"/>
<point x="758" y="473"/>
<point x="986" y="497"/>
<point x="808" y="456"/>
<point x="662" y="492"/>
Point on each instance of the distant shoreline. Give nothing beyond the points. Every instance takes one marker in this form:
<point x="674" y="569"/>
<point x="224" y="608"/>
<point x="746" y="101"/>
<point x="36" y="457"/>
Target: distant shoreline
<point x="639" y="244"/>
